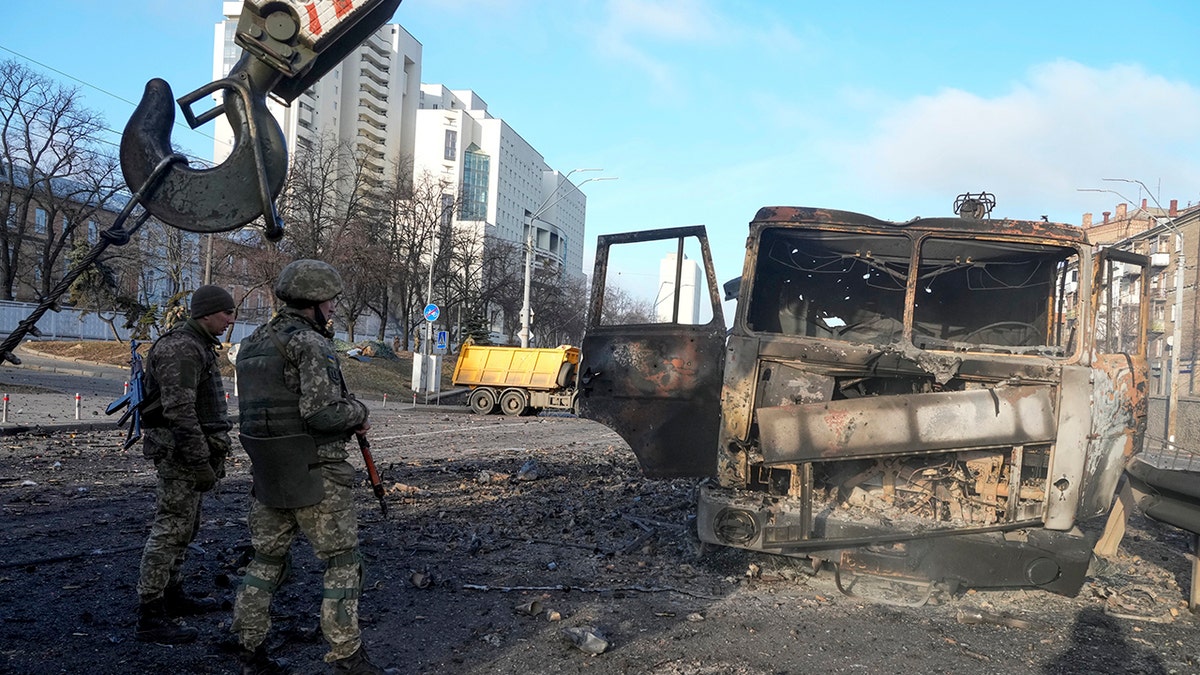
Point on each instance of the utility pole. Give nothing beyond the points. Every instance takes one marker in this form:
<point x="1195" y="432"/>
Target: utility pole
<point x="208" y="261"/>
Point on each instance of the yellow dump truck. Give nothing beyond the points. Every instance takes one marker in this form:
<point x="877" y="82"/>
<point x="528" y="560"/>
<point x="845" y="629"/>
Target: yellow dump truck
<point x="516" y="380"/>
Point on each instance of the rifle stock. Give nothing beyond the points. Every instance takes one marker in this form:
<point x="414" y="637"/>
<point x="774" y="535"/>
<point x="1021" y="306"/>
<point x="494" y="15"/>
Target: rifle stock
<point x="133" y="399"/>
<point x="372" y="472"/>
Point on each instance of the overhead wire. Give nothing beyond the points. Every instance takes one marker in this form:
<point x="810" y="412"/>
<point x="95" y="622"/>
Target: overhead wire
<point x="107" y="93"/>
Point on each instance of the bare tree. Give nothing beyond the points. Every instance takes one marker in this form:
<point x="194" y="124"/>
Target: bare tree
<point x="621" y="308"/>
<point x="413" y="216"/>
<point x="502" y="291"/>
<point x="358" y="252"/>
<point x="99" y="290"/>
<point x="561" y="310"/>
<point x="53" y="176"/>
<point x="323" y="197"/>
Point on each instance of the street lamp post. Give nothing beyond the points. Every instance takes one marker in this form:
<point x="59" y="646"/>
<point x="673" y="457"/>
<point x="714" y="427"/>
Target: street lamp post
<point x="529" y="220"/>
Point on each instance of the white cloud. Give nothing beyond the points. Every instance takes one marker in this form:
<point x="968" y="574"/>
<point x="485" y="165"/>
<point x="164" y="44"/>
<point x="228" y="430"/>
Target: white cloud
<point x="674" y="20"/>
<point x="633" y="30"/>
<point x="1066" y="126"/>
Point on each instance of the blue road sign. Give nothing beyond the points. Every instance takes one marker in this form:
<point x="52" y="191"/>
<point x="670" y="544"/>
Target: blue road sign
<point x="442" y="338"/>
<point x="431" y="312"/>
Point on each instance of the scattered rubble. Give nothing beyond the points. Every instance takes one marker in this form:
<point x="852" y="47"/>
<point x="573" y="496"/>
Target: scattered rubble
<point x="590" y="567"/>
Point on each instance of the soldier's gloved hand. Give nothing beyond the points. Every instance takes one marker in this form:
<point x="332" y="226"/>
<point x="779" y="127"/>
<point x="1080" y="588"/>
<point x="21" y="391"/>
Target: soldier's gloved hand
<point x="203" y="477"/>
<point x="219" y="447"/>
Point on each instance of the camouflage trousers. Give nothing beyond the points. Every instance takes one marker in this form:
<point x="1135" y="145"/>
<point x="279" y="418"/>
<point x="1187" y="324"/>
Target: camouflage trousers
<point x="332" y="529"/>
<point x="176" y="520"/>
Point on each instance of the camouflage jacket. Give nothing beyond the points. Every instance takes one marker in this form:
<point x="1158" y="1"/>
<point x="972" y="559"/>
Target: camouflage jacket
<point x="189" y="423"/>
<point x="312" y="371"/>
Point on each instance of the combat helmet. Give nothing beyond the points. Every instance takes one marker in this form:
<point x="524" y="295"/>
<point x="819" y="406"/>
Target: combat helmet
<point x="308" y="281"/>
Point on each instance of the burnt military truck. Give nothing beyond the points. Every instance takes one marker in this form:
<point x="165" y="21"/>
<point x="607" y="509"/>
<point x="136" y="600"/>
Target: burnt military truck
<point x="938" y="402"/>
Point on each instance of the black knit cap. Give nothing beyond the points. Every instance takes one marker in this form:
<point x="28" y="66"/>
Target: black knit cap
<point x="210" y="300"/>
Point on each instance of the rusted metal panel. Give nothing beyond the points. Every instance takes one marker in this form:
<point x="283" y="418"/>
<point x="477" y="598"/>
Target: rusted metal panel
<point x="1068" y="471"/>
<point x="1118" y="416"/>
<point x="887" y="425"/>
<point x="661" y="394"/>
<point x="813" y="217"/>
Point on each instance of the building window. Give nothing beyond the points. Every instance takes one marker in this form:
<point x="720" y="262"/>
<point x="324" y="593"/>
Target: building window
<point x="39" y="221"/>
<point x="451" y="144"/>
<point x="447" y="209"/>
<point x="476" y="166"/>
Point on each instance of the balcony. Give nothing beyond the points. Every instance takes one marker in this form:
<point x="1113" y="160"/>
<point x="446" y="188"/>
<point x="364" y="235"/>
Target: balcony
<point x="367" y="134"/>
<point x="378" y="45"/>
<point x="365" y="119"/>
<point x="368" y="87"/>
<point x="371" y="75"/>
<point x="370" y="150"/>
<point x="379" y="64"/>
<point x="374" y="112"/>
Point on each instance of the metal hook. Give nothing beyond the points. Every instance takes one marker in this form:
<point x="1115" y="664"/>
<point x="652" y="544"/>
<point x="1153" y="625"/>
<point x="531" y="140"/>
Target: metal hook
<point x="216" y="199"/>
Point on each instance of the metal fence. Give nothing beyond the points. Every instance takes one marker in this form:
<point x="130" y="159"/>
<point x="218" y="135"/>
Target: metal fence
<point x="71" y="324"/>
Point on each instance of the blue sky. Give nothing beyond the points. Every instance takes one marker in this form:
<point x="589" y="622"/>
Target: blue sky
<point x="709" y="109"/>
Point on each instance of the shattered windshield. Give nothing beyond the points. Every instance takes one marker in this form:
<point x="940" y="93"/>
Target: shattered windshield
<point x="972" y="295"/>
<point x="839" y="285"/>
<point x="995" y="296"/>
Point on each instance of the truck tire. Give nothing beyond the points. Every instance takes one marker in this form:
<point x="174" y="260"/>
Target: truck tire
<point x="482" y="401"/>
<point x="513" y="402"/>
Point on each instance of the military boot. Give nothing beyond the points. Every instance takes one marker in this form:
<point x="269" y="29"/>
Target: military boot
<point x="180" y="603"/>
<point x="357" y="664"/>
<point x="256" y="662"/>
<point x="154" y="625"/>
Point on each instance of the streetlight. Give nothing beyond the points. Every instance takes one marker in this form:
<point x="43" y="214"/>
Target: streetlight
<point x="1176" y="325"/>
<point x="546" y="204"/>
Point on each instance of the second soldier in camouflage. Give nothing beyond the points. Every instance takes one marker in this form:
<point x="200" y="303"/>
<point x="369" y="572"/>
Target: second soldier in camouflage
<point x="295" y="419"/>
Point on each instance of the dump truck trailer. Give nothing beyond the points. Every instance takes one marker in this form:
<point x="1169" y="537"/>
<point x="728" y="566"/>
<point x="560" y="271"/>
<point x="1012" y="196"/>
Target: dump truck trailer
<point x="517" y="380"/>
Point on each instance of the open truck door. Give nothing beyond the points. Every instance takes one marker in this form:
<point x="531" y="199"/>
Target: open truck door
<point x="654" y="350"/>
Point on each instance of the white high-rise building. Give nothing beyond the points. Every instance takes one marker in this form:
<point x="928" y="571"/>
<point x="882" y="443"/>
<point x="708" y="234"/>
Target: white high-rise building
<point x="689" y="291"/>
<point x="370" y="98"/>
<point x="504" y="183"/>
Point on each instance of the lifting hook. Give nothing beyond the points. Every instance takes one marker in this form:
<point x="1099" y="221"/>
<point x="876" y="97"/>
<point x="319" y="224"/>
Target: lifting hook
<point x="232" y="193"/>
<point x="288" y="45"/>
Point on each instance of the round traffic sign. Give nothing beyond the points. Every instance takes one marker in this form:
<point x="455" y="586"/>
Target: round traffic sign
<point x="431" y="312"/>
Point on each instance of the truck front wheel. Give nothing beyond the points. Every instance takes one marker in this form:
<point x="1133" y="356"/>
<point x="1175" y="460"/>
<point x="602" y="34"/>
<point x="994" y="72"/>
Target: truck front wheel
<point x="482" y="401"/>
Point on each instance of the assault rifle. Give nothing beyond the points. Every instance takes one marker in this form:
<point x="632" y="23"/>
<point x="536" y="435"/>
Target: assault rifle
<point x="133" y="398"/>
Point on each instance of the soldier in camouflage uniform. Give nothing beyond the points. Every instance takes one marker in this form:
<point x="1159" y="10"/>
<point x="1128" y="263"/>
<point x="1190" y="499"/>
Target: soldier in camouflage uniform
<point x="187" y="435"/>
<point x="295" y="419"/>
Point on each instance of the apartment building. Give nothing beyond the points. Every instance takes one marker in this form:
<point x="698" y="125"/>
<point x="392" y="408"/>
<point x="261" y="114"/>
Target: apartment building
<point x="1167" y="237"/>
<point x="370" y="98"/>
<point x="506" y="186"/>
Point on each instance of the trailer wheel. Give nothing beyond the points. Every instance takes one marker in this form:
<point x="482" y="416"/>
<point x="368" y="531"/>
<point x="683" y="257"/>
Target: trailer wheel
<point x="482" y="401"/>
<point x="513" y="402"/>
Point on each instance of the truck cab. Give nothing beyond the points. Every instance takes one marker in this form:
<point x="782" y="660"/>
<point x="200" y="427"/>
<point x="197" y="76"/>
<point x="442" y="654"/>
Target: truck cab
<point x="940" y="401"/>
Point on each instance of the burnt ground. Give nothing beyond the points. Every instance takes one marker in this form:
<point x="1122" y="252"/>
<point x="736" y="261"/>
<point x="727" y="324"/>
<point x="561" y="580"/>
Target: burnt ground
<point x="578" y="539"/>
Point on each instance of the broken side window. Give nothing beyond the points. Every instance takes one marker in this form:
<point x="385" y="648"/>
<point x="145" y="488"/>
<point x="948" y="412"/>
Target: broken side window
<point x="1118" y="307"/>
<point x="641" y="282"/>
<point x="835" y="285"/>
